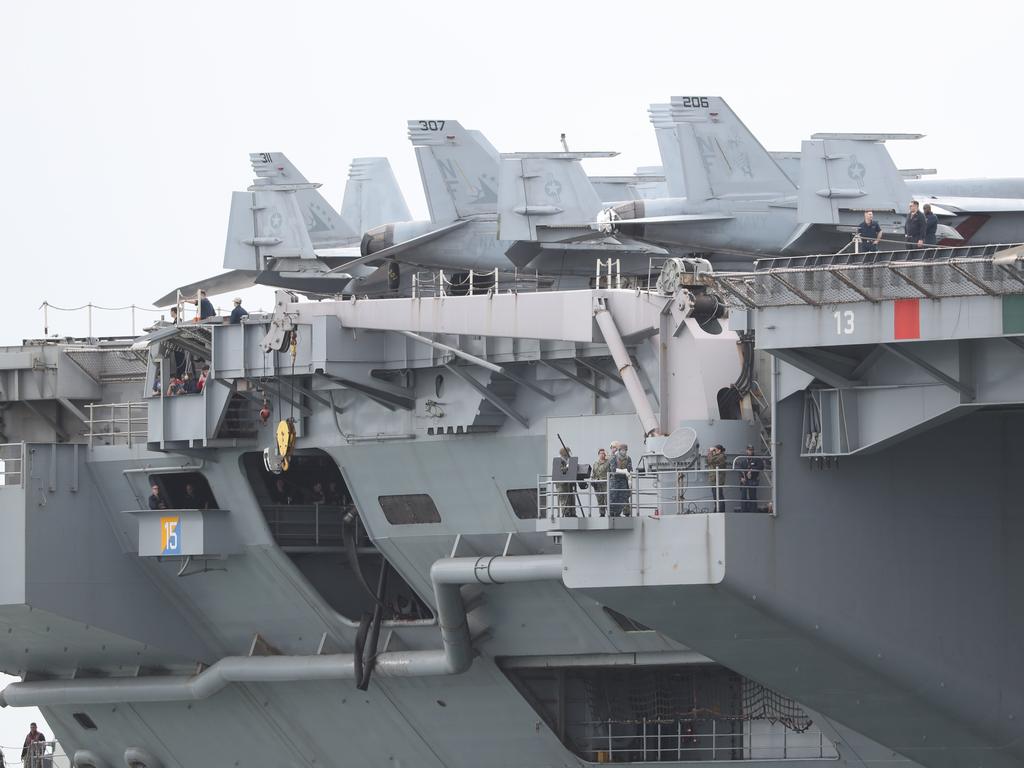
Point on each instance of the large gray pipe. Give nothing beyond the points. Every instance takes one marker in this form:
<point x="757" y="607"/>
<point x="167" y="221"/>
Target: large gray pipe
<point x="456" y="657"/>
<point x="627" y="372"/>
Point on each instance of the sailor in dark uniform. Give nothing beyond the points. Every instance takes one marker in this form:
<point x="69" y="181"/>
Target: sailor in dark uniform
<point x="914" y="228"/>
<point x="870" y="233"/>
<point x="931" y="225"/>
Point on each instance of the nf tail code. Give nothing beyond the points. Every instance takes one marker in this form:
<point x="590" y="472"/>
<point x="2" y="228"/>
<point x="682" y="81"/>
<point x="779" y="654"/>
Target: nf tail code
<point x="170" y="536"/>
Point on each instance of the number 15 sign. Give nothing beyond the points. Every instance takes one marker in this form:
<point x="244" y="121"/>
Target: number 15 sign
<point x="170" y="538"/>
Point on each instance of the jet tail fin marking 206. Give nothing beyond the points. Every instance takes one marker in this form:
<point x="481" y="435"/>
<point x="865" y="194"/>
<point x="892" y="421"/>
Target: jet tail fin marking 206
<point x="720" y="157"/>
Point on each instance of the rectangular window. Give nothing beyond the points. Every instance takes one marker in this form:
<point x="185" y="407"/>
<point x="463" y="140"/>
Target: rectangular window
<point x="524" y="502"/>
<point x="409" y="509"/>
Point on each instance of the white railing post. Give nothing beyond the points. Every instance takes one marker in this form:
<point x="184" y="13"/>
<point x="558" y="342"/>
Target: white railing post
<point x="643" y="739"/>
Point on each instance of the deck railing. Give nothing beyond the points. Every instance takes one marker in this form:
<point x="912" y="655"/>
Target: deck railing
<point x="12" y="461"/>
<point x="117" y="424"/>
<point x="616" y="741"/>
<point x="657" y="491"/>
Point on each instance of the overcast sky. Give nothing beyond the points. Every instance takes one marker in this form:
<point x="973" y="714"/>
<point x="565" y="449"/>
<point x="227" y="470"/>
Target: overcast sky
<point x="126" y="125"/>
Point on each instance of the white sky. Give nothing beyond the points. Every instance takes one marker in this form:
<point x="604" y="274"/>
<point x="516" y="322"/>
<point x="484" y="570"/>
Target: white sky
<point x="126" y="125"/>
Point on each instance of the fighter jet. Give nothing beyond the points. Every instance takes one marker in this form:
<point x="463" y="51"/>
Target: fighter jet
<point x="981" y="211"/>
<point x="283" y="233"/>
<point x="459" y="170"/>
<point x="727" y="194"/>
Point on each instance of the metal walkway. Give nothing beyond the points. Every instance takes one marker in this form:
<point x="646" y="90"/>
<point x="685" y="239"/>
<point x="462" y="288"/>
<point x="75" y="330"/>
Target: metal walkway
<point x="928" y="273"/>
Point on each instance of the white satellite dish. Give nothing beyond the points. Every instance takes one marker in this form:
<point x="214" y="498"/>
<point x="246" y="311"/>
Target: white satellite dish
<point x="682" y="445"/>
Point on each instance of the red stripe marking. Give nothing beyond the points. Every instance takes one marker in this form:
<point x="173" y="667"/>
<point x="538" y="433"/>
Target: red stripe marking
<point x="907" y="319"/>
<point x="967" y="228"/>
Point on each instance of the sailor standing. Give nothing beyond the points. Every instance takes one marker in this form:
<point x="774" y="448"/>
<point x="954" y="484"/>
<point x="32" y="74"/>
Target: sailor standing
<point x="620" y="467"/>
<point x="716" y="475"/>
<point x="31" y="755"/>
<point x="915" y="225"/>
<point x="238" y="312"/>
<point x="750" y="467"/>
<point x="931" y="225"/>
<point x="870" y="233"/>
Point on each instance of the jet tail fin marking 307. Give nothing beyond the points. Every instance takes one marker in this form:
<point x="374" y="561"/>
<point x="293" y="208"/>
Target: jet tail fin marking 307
<point x="460" y="162"/>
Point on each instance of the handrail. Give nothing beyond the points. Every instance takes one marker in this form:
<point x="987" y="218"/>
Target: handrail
<point x="931" y="272"/>
<point x="657" y="740"/>
<point x="658" y="492"/>
<point x="12" y="464"/>
<point x="134" y="415"/>
<point x="438" y="283"/>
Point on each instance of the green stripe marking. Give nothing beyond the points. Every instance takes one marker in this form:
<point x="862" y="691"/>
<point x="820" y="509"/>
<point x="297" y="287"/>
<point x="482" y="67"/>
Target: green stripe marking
<point x="1013" y="314"/>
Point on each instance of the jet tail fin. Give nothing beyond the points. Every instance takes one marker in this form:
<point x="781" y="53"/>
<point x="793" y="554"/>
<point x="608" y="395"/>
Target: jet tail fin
<point x="847" y="174"/>
<point x="540" y="193"/>
<point x="372" y="195"/>
<point x="668" y="148"/>
<point x="720" y="157"/>
<point x="263" y="225"/>
<point x="325" y="226"/>
<point x="459" y="169"/>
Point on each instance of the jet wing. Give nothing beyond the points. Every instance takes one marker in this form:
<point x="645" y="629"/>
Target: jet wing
<point x="234" y="280"/>
<point x="961" y="205"/>
<point x="676" y="219"/>
<point x="394" y="250"/>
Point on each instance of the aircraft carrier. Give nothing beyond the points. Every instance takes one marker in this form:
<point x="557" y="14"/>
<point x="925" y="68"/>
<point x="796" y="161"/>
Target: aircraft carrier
<point x="375" y="536"/>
